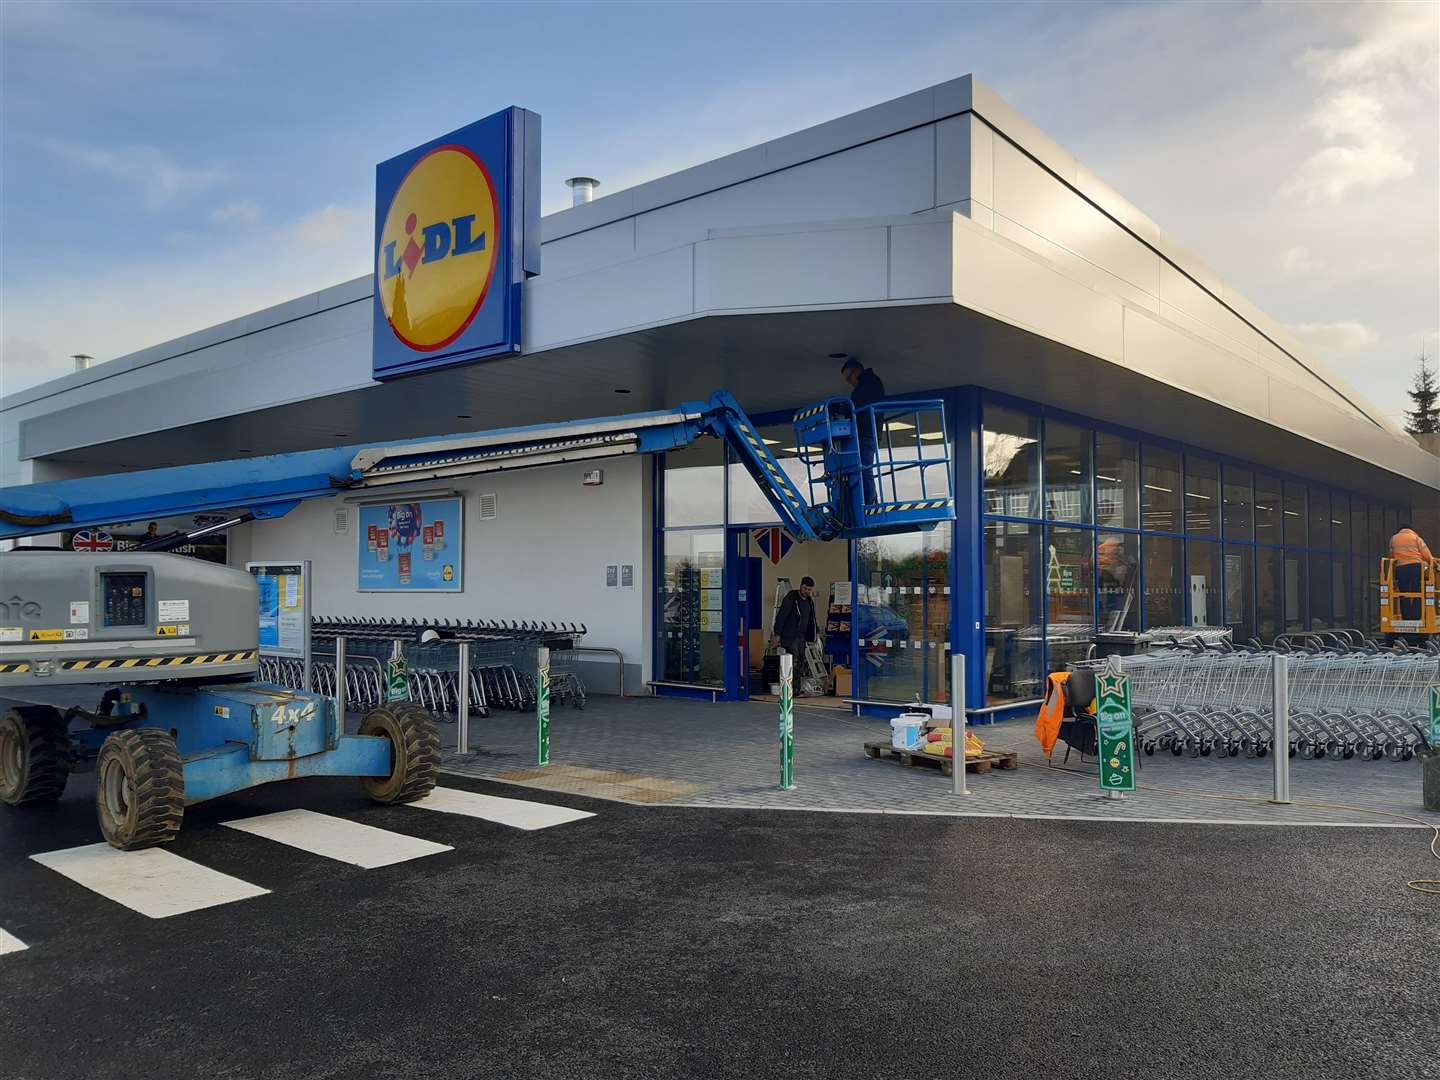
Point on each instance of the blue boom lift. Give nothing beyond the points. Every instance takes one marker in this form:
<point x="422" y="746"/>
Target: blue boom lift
<point x="163" y="639"/>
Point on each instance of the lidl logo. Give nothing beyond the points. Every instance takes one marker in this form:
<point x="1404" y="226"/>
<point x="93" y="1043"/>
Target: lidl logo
<point x="438" y="248"/>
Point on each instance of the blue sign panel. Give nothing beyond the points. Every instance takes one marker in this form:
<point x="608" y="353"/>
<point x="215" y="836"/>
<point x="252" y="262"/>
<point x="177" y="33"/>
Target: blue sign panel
<point x="457" y="231"/>
<point x="412" y="546"/>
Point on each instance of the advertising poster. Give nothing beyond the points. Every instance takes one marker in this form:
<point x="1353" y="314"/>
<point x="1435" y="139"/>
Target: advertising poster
<point x="411" y="546"/>
<point x="283" y="619"/>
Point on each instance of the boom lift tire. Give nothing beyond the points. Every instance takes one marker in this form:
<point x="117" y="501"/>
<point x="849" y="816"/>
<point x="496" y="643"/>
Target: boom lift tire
<point x="34" y="755"/>
<point x="140" y="788"/>
<point x="415" y="745"/>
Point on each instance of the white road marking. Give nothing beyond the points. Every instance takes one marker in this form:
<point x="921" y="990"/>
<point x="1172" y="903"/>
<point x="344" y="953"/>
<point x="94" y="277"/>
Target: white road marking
<point x="10" y="943"/>
<point x="153" y="882"/>
<point x="519" y="813"/>
<point x="336" y="838"/>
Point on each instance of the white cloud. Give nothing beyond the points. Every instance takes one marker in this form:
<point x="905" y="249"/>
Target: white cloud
<point x="1391" y="59"/>
<point x="151" y="172"/>
<point x="335" y="227"/>
<point x="1298" y="260"/>
<point x="242" y="212"/>
<point x="1335" y="338"/>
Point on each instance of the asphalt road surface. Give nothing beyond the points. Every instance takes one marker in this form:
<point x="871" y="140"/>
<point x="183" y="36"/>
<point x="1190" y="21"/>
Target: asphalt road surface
<point x="668" y="942"/>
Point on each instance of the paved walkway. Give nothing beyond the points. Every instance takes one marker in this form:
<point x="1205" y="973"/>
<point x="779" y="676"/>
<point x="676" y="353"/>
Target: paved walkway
<point x="663" y="750"/>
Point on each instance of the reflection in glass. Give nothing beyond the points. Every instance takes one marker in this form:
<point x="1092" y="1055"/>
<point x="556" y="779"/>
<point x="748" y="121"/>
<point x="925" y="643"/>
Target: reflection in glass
<point x="1160" y="492"/>
<point x="1067" y="472"/>
<point x="1269" y="510"/>
<point x="1117" y="481"/>
<point x="1296" y="531"/>
<point x="1239" y="504"/>
<point x="1013" y="616"/>
<point x="903" y="621"/>
<point x="1269" y="591"/>
<point x="1321" y="600"/>
<point x="1117" y="561"/>
<point x="1319" y="518"/>
<point x="1340" y="591"/>
<point x="1202" y="496"/>
<point x="695" y="484"/>
<point x="1012" y="463"/>
<point x="1069" y="595"/>
<point x="1205" y="593"/>
<point x="1340" y="522"/>
<point x="1164" y="582"/>
<point x="1296" y="592"/>
<point x="690" y="594"/>
<point x="1240" y="592"/>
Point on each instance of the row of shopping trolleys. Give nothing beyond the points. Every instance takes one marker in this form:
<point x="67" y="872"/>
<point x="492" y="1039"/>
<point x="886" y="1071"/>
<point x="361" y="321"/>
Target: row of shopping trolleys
<point x="502" y="672"/>
<point x="1348" y="697"/>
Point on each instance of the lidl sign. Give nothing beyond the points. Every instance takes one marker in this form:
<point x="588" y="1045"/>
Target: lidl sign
<point x="457" y="231"/>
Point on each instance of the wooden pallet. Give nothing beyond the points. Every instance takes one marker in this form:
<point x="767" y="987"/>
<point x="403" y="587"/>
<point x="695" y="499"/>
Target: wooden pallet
<point x="981" y="763"/>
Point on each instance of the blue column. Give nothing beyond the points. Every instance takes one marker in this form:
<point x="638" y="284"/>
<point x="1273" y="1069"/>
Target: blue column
<point x="967" y="583"/>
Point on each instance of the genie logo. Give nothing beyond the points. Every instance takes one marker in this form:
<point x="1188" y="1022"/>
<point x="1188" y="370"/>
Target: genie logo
<point x="437" y="250"/>
<point x="18" y="608"/>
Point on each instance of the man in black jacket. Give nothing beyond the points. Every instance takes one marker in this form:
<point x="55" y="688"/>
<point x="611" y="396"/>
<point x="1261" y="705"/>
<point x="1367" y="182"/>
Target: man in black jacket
<point x="795" y="621"/>
<point x="865" y="389"/>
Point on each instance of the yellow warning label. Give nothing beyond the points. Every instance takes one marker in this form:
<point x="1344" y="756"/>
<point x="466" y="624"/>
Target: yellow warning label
<point x="167" y="631"/>
<point x="47" y="635"/>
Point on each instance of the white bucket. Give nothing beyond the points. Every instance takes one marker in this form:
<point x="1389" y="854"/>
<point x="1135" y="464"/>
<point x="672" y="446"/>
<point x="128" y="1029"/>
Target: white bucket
<point x="907" y="730"/>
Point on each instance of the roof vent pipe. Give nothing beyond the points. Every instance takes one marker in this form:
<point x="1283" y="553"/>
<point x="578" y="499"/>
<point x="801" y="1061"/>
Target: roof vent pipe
<point x="82" y="360"/>
<point x="582" y="189"/>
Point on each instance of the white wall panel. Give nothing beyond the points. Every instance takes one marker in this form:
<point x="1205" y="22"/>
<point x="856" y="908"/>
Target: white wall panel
<point x="1029" y="196"/>
<point x="1167" y="353"/>
<point x="831" y="266"/>
<point x="920" y="260"/>
<point x="650" y="289"/>
<point x="882" y="178"/>
<point x="1073" y="265"/>
<point x="994" y="277"/>
<point x="542" y="557"/>
<point x="584" y="250"/>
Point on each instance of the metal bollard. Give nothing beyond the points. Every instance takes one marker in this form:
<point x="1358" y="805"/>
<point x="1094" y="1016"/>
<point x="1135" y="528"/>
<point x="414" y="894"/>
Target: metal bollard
<point x="542" y="704"/>
<point x="957" y="724"/>
<point x="462" y="707"/>
<point x="1280" y="714"/>
<point x="339" y="689"/>
<point x="787" y="722"/>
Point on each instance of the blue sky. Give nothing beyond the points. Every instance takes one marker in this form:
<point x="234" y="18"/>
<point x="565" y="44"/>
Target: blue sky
<point x="169" y="166"/>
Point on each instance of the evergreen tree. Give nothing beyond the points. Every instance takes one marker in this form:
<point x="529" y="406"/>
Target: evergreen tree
<point x="1424" y="418"/>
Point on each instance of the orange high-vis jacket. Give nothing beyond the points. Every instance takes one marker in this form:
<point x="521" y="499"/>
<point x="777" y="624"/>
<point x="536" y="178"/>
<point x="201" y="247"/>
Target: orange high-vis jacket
<point x="1406" y="548"/>
<point x="1047" y="724"/>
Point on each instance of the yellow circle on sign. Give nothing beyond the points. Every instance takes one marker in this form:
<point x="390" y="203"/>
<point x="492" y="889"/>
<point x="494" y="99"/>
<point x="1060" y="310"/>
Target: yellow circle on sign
<point x="438" y="248"/>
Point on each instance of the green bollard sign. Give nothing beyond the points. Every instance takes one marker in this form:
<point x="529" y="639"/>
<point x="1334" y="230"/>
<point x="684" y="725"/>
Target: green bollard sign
<point x="397" y="676"/>
<point x="1435" y="717"/>
<point x="542" y="705"/>
<point x="787" y="723"/>
<point x="1116" y="732"/>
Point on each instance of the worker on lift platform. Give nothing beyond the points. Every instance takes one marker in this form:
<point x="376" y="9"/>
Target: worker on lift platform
<point x="1410" y="555"/>
<point x="865" y="389"/>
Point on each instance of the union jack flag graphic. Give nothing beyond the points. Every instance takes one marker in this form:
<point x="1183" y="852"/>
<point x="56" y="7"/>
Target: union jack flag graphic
<point x="774" y="542"/>
<point x="92" y="541"/>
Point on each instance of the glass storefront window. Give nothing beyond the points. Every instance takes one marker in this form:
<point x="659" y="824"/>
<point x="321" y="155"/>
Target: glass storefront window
<point x="1013" y="615"/>
<point x="1268" y="510"/>
<point x="1069" y="595"/>
<point x="1319" y="518"/>
<point x="1340" y="591"/>
<point x="691" y="634"/>
<point x="1202" y="496"/>
<point x="1296" y="592"/>
<point x="1269" y="591"/>
<point x="1359" y="527"/>
<point x="1067" y="472"/>
<point x="747" y="505"/>
<point x="1164" y="581"/>
<point x="1240" y="592"/>
<point x="1378" y="536"/>
<point x="1117" y="481"/>
<point x="1296" y="521"/>
<point x="1205" y="592"/>
<point x="1117" y="558"/>
<point x="695" y="484"/>
<point x="1012" y="463"/>
<point x="1239" y="504"/>
<point x="1365" y="593"/>
<point x="1340" y="522"/>
<point x="1160" y="491"/>
<point x="903" y="620"/>
<point x="1321" y="600"/>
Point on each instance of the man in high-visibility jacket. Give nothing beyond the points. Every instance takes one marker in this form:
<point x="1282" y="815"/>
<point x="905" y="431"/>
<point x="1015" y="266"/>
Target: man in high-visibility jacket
<point x="1410" y="554"/>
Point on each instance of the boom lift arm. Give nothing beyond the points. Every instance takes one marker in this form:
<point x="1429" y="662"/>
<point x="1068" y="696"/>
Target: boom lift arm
<point x="861" y="483"/>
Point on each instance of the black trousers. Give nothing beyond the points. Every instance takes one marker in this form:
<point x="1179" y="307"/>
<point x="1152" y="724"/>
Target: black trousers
<point x="1407" y="579"/>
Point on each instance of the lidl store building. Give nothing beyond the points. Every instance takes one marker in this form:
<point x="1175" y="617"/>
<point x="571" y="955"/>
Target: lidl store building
<point x="1135" y="444"/>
